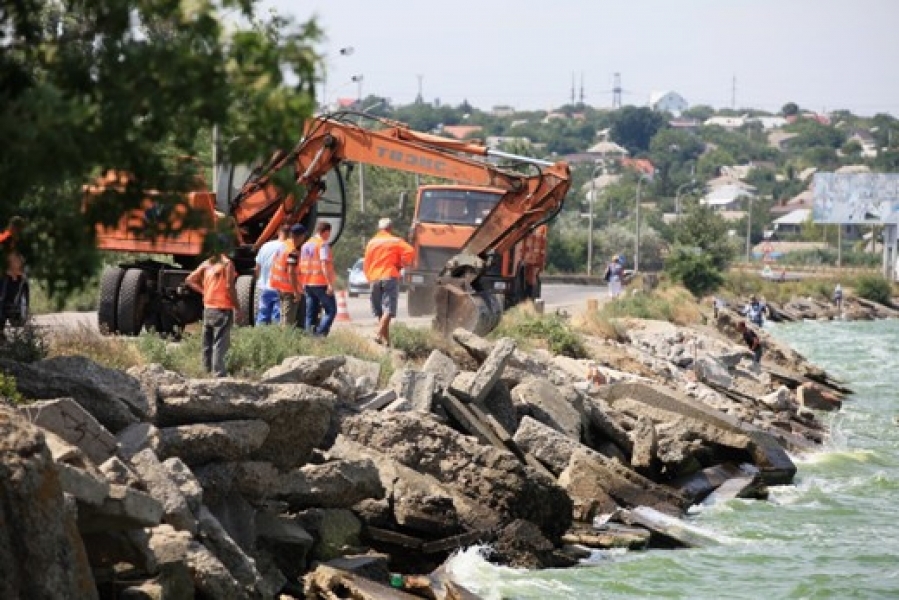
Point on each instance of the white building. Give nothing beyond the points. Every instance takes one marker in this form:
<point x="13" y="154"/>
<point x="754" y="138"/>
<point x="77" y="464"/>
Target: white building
<point x="668" y="102"/>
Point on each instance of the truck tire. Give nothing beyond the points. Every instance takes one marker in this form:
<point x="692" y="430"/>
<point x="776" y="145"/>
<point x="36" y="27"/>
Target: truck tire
<point x="132" y="302"/>
<point x="245" y="315"/>
<point x="420" y="302"/>
<point x="110" y="281"/>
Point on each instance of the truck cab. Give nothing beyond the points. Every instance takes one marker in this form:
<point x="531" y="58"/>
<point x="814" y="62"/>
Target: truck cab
<point x="445" y="218"/>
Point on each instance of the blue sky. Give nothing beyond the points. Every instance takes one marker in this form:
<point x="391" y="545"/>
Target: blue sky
<point x="821" y="54"/>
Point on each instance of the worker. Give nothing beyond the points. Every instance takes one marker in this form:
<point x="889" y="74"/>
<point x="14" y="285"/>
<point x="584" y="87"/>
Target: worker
<point x="317" y="272"/>
<point x="752" y="340"/>
<point x="13" y="275"/>
<point x="215" y="279"/>
<point x="385" y="255"/>
<point x="838" y="296"/>
<point x="285" y="275"/>
<point x="269" y="305"/>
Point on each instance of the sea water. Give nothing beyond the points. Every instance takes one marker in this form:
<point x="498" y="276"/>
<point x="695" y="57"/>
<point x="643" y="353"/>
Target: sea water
<point x="833" y="533"/>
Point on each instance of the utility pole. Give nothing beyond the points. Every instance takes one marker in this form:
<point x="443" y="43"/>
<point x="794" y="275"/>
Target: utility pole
<point x="572" y="89"/>
<point x="582" y="89"/>
<point x="419" y="99"/>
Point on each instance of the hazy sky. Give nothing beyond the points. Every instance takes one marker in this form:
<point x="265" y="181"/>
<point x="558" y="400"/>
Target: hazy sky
<point x="821" y="54"/>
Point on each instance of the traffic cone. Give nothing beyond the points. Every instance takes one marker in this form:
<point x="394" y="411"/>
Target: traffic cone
<point x="343" y="313"/>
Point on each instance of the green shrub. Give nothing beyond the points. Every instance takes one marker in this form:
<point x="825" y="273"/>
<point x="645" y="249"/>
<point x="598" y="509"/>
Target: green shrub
<point x="9" y="389"/>
<point x="417" y="342"/>
<point x="531" y="329"/>
<point x="874" y="288"/>
<point x="23" y="344"/>
<point x="695" y="270"/>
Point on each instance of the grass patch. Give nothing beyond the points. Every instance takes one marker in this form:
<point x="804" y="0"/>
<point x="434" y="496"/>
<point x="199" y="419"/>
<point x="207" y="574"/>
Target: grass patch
<point x="740" y="285"/>
<point x="874" y="288"/>
<point x="110" y="351"/>
<point x="418" y="342"/>
<point x="254" y="350"/>
<point x="9" y="390"/>
<point x="530" y="329"/>
<point x="671" y="303"/>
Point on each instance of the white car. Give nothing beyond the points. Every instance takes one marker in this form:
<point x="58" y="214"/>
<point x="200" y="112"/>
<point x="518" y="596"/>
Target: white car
<point x="356" y="281"/>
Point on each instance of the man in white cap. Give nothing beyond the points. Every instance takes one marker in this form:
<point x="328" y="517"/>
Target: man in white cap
<point x="385" y="255"/>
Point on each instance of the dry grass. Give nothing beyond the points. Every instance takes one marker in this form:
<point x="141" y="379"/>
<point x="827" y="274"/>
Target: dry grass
<point x="110" y="351"/>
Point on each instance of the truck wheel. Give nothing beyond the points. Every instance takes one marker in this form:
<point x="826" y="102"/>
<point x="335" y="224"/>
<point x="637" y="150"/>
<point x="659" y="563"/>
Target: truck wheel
<point x="21" y="310"/>
<point x="132" y="302"/>
<point x="110" y="282"/>
<point x="245" y="316"/>
<point x="420" y="302"/>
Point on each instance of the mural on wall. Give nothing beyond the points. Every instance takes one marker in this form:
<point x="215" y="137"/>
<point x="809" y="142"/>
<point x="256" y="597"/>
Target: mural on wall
<point x="847" y="198"/>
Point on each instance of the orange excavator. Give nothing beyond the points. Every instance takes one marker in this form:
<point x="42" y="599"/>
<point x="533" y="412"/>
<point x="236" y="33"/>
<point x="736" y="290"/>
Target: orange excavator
<point x="150" y="292"/>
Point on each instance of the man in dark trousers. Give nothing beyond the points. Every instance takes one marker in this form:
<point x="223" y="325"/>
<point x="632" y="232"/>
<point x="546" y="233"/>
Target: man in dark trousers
<point x="752" y="340"/>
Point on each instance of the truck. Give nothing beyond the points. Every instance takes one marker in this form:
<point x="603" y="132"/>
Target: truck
<point x="149" y="292"/>
<point x="444" y="218"/>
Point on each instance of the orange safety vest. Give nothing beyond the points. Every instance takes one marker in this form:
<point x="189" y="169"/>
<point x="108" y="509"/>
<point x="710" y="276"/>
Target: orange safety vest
<point x="280" y="277"/>
<point x="312" y="269"/>
<point x="385" y="255"/>
<point x="217" y="280"/>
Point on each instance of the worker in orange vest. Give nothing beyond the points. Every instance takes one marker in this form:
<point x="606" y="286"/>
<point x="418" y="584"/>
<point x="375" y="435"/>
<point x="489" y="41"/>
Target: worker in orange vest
<point x="385" y="255"/>
<point x="12" y="278"/>
<point x="215" y="280"/>
<point x="286" y="277"/>
<point x="317" y="272"/>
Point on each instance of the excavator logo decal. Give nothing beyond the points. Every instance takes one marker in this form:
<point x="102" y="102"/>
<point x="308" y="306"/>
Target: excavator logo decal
<point x="415" y="160"/>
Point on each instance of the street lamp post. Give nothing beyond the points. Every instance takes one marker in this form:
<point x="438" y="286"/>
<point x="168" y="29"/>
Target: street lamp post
<point x="590" y="219"/>
<point x="357" y="79"/>
<point x="637" y="214"/>
<point x="748" y="229"/>
<point x="345" y="51"/>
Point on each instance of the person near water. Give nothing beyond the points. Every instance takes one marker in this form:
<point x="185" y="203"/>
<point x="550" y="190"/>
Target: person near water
<point x="12" y="277"/>
<point x="755" y="311"/>
<point x="385" y="256"/>
<point x="838" y="296"/>
<point x="752" y="340"/>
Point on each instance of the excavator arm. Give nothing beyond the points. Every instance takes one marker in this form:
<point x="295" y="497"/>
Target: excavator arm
<point x="530" y="199"/>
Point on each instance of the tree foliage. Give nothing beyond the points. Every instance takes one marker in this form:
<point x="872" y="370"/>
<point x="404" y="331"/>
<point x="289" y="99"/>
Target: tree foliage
<point x="123" y="84"/>
<point x="704" y="229"/>
<point x="694" y="269"/>
<point x="634" y="127"/>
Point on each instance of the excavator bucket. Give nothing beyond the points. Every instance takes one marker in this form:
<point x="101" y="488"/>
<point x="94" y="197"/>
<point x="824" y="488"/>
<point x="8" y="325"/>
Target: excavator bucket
<point x="459" y="305"/>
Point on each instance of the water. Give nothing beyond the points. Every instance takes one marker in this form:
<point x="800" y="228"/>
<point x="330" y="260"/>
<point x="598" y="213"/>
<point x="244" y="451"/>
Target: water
<point x="834" y="533"/>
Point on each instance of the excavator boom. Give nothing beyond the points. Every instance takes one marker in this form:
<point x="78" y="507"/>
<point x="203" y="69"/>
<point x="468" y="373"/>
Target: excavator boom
<point x="529" y="199"/>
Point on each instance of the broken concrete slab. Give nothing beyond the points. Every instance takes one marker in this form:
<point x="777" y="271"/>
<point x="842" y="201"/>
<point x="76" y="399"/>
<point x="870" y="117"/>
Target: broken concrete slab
<point x="311" y="370"/>
<point x="161" y="486"/>
<point x="200" y="443"/>
<point x="123" y="508"/>
<point x="67" y="419"/>
<point x="671" y="528"/>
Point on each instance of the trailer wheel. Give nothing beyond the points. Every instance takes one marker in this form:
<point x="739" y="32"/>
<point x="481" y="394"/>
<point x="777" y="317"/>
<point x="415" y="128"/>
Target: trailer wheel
<point x="132" y="302"/>
<point x="110" y="282"/>
<point x="245" y="316"/>
<point x="420" y="302"/>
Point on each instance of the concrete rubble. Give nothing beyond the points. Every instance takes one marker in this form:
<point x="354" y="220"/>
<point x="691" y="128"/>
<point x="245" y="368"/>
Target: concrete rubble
<point x="154" y="485"/>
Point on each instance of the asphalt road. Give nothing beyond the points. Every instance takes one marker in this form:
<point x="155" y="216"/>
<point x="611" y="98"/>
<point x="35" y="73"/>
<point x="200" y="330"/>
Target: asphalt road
<point x="557" y="297"/>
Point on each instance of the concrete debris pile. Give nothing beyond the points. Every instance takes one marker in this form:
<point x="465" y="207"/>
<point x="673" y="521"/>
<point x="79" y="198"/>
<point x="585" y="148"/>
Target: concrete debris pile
<point x="149" y="485"/>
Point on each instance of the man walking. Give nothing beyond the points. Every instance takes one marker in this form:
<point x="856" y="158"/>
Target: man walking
<point x="269" y="309"/>
<point x="317" y="272"/>
<point x="385" y="255"/>
<point x="752" y="340"/>
<point x="285" y="275"/>
<point x="214" y="279"/>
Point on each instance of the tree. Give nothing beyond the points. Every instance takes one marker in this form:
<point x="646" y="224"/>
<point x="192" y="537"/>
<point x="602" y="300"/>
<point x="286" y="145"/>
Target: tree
<point x="695" y="269"/>
<point x="703" y="228"/>
<point x="124" y="84"/>
<point x="634" y="127"/>
<point x="790" y="109"/>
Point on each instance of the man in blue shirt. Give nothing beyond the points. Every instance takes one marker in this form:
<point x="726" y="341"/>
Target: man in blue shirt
<point x="269" y="309"/>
